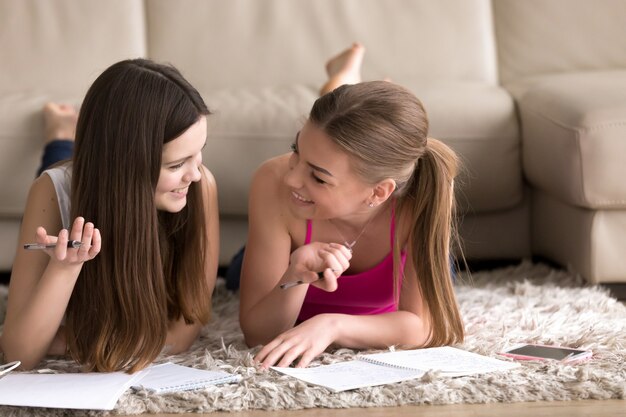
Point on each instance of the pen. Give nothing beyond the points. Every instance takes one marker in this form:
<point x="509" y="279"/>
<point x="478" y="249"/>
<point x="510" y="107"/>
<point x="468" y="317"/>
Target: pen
<point x="287" y="285"/>
<point x="8" y="367"/>
<point x="71" y="244"/>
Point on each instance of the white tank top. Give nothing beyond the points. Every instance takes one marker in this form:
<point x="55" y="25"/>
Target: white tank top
<point x="61" y="177"/>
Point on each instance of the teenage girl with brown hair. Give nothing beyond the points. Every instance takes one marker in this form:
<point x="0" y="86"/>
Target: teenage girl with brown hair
<point x="145" y="209"/>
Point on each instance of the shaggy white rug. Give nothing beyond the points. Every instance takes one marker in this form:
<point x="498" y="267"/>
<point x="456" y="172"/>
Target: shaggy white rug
<point x="526" y="303"/>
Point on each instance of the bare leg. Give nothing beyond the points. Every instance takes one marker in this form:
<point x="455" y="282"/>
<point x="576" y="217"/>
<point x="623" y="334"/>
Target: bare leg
<point x="60" y="121"/>
<point x="344" y="68"/>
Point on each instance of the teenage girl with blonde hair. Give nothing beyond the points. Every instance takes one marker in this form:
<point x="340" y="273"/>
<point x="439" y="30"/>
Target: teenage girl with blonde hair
<point x="350" y="234"/>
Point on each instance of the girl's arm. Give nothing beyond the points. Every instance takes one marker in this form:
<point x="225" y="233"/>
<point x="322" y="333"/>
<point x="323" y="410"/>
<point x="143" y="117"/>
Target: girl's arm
<point x="266" y="310"/>
<point x="42" y="281"/>
<point x="407" y="327"/>
<point x="180" y="336"/>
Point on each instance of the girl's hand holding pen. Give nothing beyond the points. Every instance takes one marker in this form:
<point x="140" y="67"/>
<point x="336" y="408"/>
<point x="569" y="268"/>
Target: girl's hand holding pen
<point x="320" y="275"/>
<point x="318" y="264"/>
<point x="71" y="244"/>
<point x="75" y="247"/>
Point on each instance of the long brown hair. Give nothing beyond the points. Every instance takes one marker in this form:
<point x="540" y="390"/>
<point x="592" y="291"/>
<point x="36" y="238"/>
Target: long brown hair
<point x="151" y="268"/>
<point x="386" y="128"/>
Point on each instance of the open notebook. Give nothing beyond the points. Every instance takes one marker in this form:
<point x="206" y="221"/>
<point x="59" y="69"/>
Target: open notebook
<point x="170" y="377"/>
<point x="99" y="390"/>
<point x="391" y="367"/>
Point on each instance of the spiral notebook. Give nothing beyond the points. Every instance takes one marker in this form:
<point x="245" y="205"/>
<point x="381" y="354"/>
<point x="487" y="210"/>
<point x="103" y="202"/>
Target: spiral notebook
<point x="391" y="367"/>
<point x="170" y="377"/>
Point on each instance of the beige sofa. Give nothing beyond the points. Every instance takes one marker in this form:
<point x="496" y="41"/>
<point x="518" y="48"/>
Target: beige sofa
<point x="481" y="67"/>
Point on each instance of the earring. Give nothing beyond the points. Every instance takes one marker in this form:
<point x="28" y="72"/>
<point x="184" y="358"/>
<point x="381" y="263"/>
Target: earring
<point x="371" y="204"/>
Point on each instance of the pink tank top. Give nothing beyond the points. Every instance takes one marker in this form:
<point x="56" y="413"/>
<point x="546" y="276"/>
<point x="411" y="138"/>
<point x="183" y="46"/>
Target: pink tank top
<point x="365" y="293"/>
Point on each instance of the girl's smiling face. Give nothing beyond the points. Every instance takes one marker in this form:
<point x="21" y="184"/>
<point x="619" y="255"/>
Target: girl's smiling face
<point x="321" y="180"/>
<point x="181" y="165"/>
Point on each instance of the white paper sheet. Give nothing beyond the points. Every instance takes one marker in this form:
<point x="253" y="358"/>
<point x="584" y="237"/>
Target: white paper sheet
<point x="91" y="391"/>
<point x="448" y="360"/>
<point x="390" y="367"/>
<point x="344" y="376"/>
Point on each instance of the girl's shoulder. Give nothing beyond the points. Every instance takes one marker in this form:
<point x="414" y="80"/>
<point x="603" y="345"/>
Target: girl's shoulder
<point x="43" y="185"/>
<point x="274" y="167"/>
<point x="42" y="206"/>
<point x="268" y="178"/>
<point x="267" y="190"/>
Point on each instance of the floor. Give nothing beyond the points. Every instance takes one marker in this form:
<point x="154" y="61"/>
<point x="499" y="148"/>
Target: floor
<point x="536" y="409"/>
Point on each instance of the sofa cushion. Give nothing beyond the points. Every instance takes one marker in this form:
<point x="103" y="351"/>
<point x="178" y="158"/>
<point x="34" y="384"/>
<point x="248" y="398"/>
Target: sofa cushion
<point x="61" y="46"/>
<point x="590" y="242"/>
<point x="259" y="64"/>
<point x="52" y="51"/>
<point x="539" y="37"/>
<point x="249" y="126"/>
<point x="251" y="43"/>
<point x="477" y="120"/>
<point x="574" y="135"/>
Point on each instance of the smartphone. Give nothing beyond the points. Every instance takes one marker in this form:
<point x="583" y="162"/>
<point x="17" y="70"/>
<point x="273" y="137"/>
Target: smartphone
<point x="542" y="352"/>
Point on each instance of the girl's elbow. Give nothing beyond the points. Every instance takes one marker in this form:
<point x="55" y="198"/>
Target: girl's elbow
<point x="27" y="366"/>
<point x="419" y="333"/>
<point x="247" y="330"/>
<point x="250" y="342"/>
<point x="178" y="348"/>
<point x="27" y="362"/>
<point x="251" y="337"/>
<point x="253" y="340"/>
<point x="414" y="340"/>
<point x="255" y="332"/>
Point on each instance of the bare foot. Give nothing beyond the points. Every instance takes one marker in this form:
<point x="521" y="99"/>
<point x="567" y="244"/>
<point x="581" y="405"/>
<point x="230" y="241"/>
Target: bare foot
<point x="60" y="121"/>
<point x="344" y="68"/>
<point x="347" y="65"/>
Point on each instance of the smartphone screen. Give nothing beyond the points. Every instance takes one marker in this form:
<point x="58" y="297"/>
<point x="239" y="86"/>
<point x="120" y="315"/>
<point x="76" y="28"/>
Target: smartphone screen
<point x="547" y="352"/>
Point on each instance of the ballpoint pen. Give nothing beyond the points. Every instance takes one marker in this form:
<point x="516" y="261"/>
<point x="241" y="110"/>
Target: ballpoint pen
<point x="287" y="285"/>
<point x="71" y="244"/>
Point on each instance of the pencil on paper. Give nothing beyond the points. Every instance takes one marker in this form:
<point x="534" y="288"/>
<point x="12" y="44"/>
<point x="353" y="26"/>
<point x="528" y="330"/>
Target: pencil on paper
<point x="71" y="244"/>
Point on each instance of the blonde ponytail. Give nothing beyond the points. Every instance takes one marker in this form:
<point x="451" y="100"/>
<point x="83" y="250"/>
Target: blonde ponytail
<point x="428" y="202"/>
<point x="385" y="127"/>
